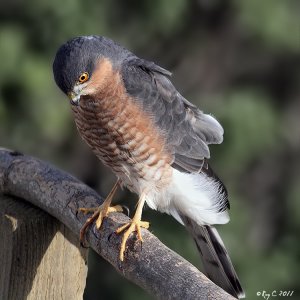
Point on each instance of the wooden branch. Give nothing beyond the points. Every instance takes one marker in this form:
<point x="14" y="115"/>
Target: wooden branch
<point x="152" y="265"/>
<point x="40" y="257"/>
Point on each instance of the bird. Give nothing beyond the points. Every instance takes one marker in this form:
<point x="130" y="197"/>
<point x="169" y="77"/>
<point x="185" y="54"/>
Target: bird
<point x="154" y="140"/>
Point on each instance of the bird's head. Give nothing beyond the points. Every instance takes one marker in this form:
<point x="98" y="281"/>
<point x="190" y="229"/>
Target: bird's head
<point x="76" y="61"/>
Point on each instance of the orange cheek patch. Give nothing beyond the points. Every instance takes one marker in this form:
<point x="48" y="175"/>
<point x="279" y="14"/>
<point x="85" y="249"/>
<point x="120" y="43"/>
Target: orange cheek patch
<point x="100" y="78"/>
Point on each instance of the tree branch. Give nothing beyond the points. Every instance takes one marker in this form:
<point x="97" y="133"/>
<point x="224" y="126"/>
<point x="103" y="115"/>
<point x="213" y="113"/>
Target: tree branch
<point x="152" y="265"/>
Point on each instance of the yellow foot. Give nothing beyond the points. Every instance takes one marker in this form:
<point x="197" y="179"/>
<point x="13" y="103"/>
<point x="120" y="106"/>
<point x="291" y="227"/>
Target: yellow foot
<point x="99" y="213"/>
<point x="86" y="210"/>
<point x="131" y="227"/>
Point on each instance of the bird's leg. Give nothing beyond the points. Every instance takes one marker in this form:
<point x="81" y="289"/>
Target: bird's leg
<point x="133" y="225"/>
<point x="100" y="212"/>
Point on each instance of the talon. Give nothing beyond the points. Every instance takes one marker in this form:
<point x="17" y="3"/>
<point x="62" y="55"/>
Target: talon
<point x="83" y="245"/>
<point x="104" y="212"/>
<point x="86" y="210"/>
<point x="125" y="208"/>
<point x="99" y="212"/>
<point x="85" y="226"/>
<point x="131" y="227"/>
<point x="116" y="208"/>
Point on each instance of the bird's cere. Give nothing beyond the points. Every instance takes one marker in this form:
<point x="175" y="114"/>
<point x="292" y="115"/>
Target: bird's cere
<point x="75" y="95"/>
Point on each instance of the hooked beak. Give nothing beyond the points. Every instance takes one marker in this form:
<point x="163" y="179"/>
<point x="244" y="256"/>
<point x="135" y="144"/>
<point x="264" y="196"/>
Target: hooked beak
<point x="74" y="98"/>
<point x="75" y="94"/>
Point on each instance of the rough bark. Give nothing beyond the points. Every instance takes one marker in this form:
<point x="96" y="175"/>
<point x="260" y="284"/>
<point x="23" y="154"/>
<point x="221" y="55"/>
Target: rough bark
<point x="152" y="265"/>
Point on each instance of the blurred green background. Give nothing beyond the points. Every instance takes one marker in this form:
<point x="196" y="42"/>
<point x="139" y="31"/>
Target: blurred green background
<point x="239" y="60"/>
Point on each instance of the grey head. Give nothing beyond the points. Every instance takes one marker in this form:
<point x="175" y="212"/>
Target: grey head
<point x="75" y="62"/>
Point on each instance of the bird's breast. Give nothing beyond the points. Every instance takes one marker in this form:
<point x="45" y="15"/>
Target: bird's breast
<point x="124" y="138"/>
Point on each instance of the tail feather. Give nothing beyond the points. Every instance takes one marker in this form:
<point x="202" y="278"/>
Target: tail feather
<point x="215" y="259"/>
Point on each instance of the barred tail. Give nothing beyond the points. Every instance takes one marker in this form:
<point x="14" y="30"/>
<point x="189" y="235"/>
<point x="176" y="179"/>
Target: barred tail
<point x="215" y="259"/>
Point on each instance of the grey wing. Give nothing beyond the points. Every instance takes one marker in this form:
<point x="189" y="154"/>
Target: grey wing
<point x="187" y="130"/>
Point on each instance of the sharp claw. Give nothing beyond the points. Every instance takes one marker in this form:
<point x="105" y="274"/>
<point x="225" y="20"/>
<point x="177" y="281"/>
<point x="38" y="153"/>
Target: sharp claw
<point x="126" y="209"/>
<point x="99" y="214"/>
<point x="82" y="244"/>
<point x="131" y="227"/>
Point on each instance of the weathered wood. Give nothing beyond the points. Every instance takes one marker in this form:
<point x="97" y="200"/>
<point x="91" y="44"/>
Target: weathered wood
<point x="39" y="256"/>
<point x="152" y="265"/>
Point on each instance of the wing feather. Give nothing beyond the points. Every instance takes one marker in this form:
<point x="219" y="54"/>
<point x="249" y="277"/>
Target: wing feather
<point x="187" y="130"/>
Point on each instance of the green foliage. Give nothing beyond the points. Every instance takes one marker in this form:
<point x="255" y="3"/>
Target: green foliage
<point x="251" y="126"/>
<point x="275" y="22"/>
<point x="255" y="75"/>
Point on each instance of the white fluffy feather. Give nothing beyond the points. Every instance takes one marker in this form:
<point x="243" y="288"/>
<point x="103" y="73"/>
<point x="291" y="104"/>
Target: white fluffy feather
<point x="193" y="195"/>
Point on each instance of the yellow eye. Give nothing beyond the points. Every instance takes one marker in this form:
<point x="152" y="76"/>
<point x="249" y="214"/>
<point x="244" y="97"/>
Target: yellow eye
<point x="83" y="77"/>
